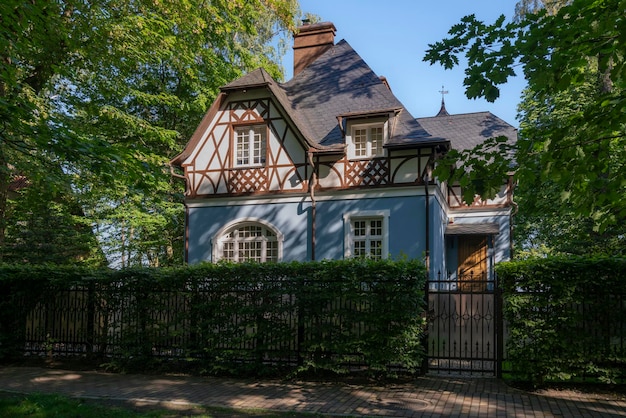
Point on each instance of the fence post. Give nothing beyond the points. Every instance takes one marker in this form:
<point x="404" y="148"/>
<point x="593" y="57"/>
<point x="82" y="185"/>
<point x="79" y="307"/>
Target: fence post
<point x="498" y="301"/>
<point x="91" y="315"/>
<point x="300" y="319"/>
<point x="426" y="324"/>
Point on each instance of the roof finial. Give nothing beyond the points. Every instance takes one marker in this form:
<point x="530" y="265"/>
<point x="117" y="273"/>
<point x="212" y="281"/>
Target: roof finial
<point x="443" y="111"/>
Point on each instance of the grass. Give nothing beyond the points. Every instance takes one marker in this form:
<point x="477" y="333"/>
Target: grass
<point x="49" y="406"/>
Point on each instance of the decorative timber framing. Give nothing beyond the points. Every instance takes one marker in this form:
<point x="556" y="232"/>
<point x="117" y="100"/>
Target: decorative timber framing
<point x="503" y="199"/>
<point x="286" y="169"/>
<point x="219" y="176"/>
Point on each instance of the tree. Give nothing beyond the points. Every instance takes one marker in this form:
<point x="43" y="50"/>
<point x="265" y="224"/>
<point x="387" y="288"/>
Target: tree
<point x="100" y="94"/>
<point x="571" y="148"/>
<point x="48" y="226"/>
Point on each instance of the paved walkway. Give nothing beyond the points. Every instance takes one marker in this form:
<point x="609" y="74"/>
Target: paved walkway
<point x="425" y="397"/>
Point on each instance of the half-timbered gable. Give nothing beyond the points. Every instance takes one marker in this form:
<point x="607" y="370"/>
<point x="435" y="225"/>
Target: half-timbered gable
<point x="248" y="147"/>
<point x="328" y="165"/>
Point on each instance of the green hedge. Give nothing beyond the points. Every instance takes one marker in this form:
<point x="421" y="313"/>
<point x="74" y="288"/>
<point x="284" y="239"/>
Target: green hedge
<point x="566" y="318"/>
<point x="234" y="318"/>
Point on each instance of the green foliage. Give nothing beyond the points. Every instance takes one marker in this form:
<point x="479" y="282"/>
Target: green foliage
<point x="48" y="227"/>
<point x="484" y="168"/>
<point x="382" y="298"/>
<point x="101" y="94"/>
<point x="230" y="318"/>
<point x="551" y="194"/>
<point x="572" y="121"/>
<point x="565" y="318"/>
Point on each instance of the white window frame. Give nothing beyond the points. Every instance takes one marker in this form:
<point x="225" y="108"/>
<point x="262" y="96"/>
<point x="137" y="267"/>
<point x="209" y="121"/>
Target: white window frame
<point x="348" y="229"/>
<point x="370" y="151"/>
<point x="219" y="239"/>
<point x="253" y="141"/>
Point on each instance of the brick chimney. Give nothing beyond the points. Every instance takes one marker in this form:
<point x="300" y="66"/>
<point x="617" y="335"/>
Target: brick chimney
<point x="311" y="41"/>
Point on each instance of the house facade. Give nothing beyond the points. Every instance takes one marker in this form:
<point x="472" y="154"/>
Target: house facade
<point x="330" y="165"/>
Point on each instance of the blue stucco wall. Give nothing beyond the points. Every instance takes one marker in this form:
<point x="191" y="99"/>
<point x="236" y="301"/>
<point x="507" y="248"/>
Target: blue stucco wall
<point x="407" y="236"/>
<point x="406" y="226"/>
<point x="291" y="219"/>
<point x="438" y="222"/>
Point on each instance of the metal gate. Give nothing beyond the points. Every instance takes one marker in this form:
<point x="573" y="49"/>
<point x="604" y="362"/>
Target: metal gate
<point x="465" y="326"/>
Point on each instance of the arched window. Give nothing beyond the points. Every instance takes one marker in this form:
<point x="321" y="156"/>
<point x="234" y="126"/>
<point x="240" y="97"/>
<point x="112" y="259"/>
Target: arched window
<point x="248" y="240"/>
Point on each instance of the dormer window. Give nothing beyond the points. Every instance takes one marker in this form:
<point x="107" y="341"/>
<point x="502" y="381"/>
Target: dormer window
<point x="366" y="140"/>
<point x="250" y="145"/>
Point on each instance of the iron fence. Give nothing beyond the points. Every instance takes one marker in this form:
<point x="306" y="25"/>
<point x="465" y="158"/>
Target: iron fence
<point x="279" y="321"/>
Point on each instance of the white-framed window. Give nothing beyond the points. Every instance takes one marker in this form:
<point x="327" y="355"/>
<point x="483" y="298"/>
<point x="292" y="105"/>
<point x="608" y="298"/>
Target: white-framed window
<point x="367" y="140"/>
<point x="250" y="145"/>
<point x="248" y="240"/>
<point x="366" y="234"/>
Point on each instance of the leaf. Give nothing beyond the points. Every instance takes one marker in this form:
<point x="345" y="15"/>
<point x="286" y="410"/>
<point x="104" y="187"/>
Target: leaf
<point x="572" y="111"/>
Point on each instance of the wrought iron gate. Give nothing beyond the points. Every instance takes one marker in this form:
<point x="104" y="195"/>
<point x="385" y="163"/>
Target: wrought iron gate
<point x="465" y="326"/>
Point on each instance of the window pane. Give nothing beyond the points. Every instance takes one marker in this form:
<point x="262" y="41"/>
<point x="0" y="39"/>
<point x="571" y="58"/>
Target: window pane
<point x="360" y="142"/>
<point x="376" y="249"/>
<point x="376" y="228"/>
<point x="229" y="251"/>
<point x="250" y="251"/>
<point x="359" y="228"/>
<point x="243" y="156"/>
<point x="258" y="145"/>
<point x="250" y="231"/>
<point x="376" y="140"/>
<point x="272" y="251"/>
<point x="359" y="248"/>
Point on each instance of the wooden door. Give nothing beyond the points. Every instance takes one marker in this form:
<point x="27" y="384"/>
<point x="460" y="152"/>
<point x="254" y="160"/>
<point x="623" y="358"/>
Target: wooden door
<point x="472" y="263"/>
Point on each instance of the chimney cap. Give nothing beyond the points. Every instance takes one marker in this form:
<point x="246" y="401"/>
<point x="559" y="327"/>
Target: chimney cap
<point x="320" y="26"/>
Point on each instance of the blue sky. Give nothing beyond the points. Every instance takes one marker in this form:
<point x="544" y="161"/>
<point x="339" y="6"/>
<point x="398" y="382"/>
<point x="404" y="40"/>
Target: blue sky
<point x="392" y="37"/>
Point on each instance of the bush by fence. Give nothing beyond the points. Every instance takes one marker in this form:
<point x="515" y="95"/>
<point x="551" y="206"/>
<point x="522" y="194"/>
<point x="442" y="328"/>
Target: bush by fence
<point x="331" y="315"/>
<point x="566" y="318"/>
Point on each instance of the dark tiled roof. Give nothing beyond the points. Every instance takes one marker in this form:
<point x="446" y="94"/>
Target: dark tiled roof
<point x="465" y="131"/>
<point x="338" y="83"/>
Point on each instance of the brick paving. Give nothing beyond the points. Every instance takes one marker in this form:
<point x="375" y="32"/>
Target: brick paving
<point x="427" y="396"/>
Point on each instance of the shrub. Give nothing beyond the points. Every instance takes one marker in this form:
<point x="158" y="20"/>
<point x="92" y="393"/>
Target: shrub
<point x="215" y="318"/>
<point x="566" y="318"/>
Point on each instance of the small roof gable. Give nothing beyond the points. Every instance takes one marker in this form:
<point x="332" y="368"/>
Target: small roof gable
<point x="465" y="131"/>
<point x="256" y="78"/>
